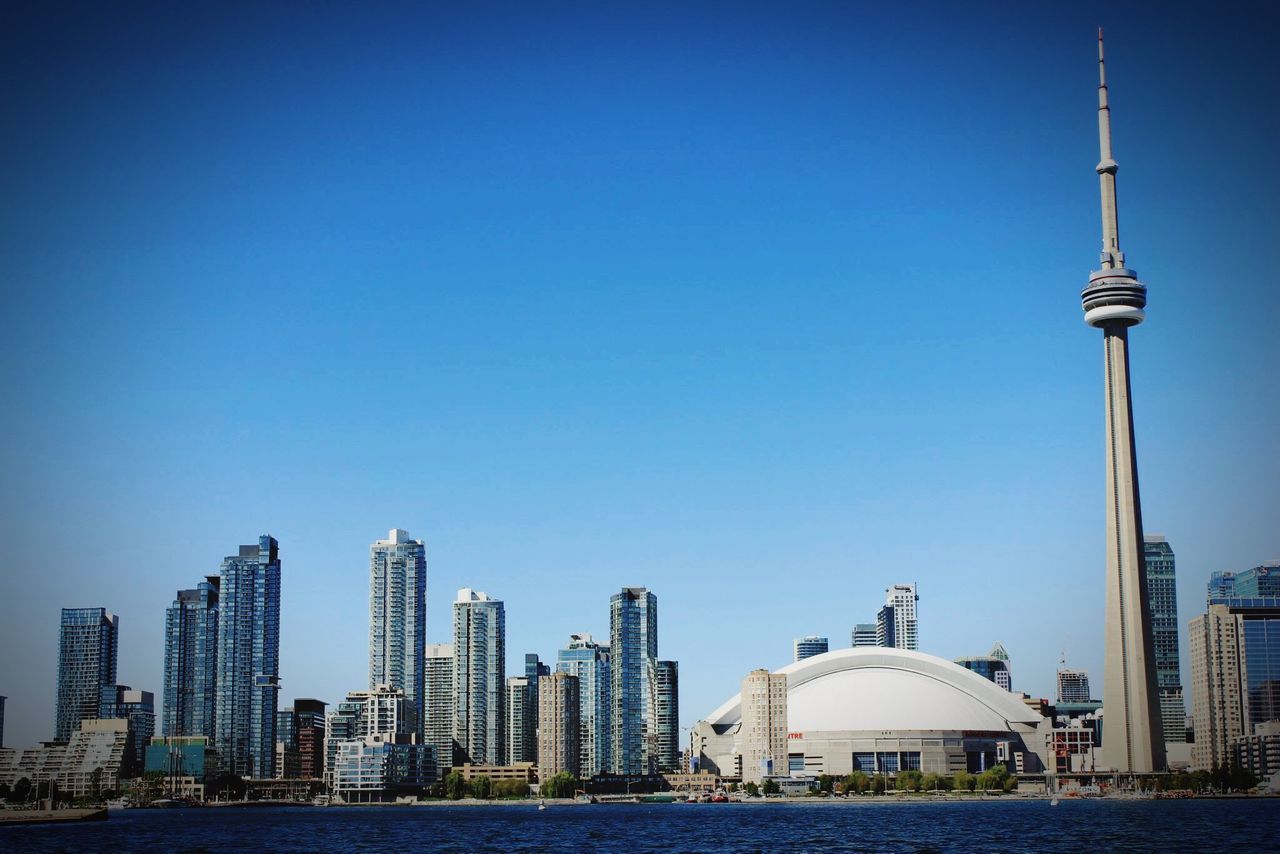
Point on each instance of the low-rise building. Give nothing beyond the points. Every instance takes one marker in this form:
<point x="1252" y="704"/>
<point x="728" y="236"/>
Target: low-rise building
<point x="372" y="770"/>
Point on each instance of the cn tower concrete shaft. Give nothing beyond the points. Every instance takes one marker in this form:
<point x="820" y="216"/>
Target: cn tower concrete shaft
<point x="1132" y="738"/>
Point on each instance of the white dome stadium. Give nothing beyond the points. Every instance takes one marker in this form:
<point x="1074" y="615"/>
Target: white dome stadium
<point x="885" y="689"/>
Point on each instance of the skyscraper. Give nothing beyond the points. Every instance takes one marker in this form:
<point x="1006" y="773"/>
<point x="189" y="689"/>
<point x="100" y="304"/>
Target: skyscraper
<point x="1073" y="686"/>
<point x="896" y="624"/>
<point x="1235" y="675"/>
<point x="1113" y="301"/>
<point x="522" y="726"/>
<point x="763" y="736"/>
<point x="191" y="661"/>
<point x="559" y="747"/>
<point x="1222" y="585"/>
<point x="249" y="659"/>
<point x="994" y="666"/>
<point x="309" y="718"/>
<point x="87" y="647"/>
<point x="439" y="703"/>
<point x="808" y="646"/>
<point x="2" y="699"/>
<point x="398" y="619"/>
<point x="1162" y="603"/>
<point x="589" y="661"/>
<point x="479" y="677"/>
<point x="863" y="634"/>
<point x="633" y="635"/>
<point x="1257" y="582"/>
<point x="666" y="677"/>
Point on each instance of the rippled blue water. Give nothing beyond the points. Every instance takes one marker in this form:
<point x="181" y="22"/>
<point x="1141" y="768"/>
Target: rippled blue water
<point x="1003" y="825"/>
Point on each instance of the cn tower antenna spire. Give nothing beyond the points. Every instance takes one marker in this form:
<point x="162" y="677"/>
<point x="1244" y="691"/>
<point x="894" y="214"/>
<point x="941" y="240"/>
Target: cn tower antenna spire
<point x="1112" y="257"/>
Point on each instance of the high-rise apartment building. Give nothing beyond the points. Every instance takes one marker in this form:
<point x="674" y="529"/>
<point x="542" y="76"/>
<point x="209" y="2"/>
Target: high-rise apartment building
<point x="896" y="624"/>
<point x="589" y="662"/>
<point x="398" y="619"/>
<point x="439" y="703"/>
<point x="87" y="646"/>
<point x="522" y="726"/>
<point x="248" y="680"/>
<point x="479" y="677"/>
<point x="1162" y="604"/>
<point x="309" y="718"/>
<point x="1235" y="674"/>
<point x="762" y="739"/>
<point x="633" y="635"/>
<point x="138" y="709"/>
<point x="191" y="661"/>
<point x="2" y="699"/>
<point x="808" y="646"/>
<point x="1073" y="686"/>
<point x="864" y="634"/>
<point x="559" y="725"/>
<point x="666" y="680"/>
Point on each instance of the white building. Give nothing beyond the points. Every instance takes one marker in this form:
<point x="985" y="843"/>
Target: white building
<point x="884" y="710"/>
<point x="896" y="624"/>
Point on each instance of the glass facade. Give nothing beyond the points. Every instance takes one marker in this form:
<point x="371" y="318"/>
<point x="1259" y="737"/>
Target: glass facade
<point x="479" y="677"/>
<point x="809" y="646"/>
<point x="398" y="620"/>
<point x="589" y="661"/>
<point x="88" y="643"/>
<point x="191" y="661"/>
<point x="1162" y="605"/>
<point x="1261" y="673"/>
<point x="667" y="715"/>
<point x="633" y="636"/>
<point x="248" y="679"/>
<point x="1258" y="582"/>
<point x="139" y="709"/>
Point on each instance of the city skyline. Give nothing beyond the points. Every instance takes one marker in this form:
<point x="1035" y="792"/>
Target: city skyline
<point x="657" y="268"/>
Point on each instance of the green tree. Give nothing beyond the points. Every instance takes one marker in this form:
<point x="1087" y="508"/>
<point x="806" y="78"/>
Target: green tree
<point x="771" y="787"/>
<point x="482" y="788"/>
<point x="964" y="781"/>
<point x="752" y="789"/>
<point x="562" y="785"/>
<point x="826" y="783"/>
<point x="857" y="782"/>
<point x="910" y="781"/>
<point x="21" y="790"/>
<point x="878" y="784"/>
<point x="455" y="786"/>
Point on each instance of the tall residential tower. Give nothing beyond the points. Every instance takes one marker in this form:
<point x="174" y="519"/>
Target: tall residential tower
<point x="87" y="645"/>
<point x="191" y="661"/>
<point x="249" y="659"/>
<point x="398" y="620"/>
<point x="1162" y="602"/>
<point x="1113" y="301"/>
<point x="479" y="677"/>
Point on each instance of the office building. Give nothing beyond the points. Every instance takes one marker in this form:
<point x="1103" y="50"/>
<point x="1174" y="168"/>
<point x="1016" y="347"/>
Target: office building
<point x="1073" y="686"/>
<point x="667" y="715"/>
<point x="864" y="634"/>
<point x="559" y="726"/>
<point x="1235" y="674"/>
<point x="522" y="722"/>
<point x="1258" y="582"/>
<point x="896" y="624"/>
<point x="589" y="662"/>
<point x="994" y="666"/>
<point x="763" y="733"/>
<point x="248" y="679"/>
<point x="184" y="762"/>
<point x="1162" y="605"/>
<point x="191" y="661"/>
<point x="87" y="648"/>
<point x="806" y="646"/>
<point x="439" y="703"/>
<point x="633" y="635"/>
<point x="1113" y="301"/>
<point x="398" y="619"/>
<point x="138" y="710"/>
<point x="479" y="677"/>
<point x="1222" y="585"/>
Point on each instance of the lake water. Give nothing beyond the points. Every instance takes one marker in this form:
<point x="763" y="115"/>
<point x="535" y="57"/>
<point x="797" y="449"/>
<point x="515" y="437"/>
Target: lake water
<point x="991" y="825"/>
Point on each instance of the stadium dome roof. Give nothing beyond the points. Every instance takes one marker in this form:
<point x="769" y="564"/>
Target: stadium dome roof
<point x="877" y="688"/>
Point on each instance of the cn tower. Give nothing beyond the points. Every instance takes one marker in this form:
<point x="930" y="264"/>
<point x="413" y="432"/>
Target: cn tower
<point x="1132" y="740"/>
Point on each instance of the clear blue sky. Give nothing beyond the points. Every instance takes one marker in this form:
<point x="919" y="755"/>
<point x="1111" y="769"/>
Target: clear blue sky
<point x="765" y="307"/>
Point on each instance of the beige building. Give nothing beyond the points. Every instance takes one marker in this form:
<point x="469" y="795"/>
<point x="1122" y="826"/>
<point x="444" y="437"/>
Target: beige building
<point x="762" y="741"/>
<point x="94" y="756"/>
<point x="559" y="725"/>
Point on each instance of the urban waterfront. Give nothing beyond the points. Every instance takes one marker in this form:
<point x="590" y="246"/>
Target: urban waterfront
<point x="1021" y="825"/>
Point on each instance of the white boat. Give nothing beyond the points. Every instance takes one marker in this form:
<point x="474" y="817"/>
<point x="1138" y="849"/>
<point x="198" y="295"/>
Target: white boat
<point x="118" y="804"/>
<point x="542" y="805"/>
